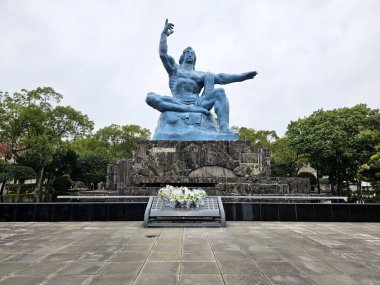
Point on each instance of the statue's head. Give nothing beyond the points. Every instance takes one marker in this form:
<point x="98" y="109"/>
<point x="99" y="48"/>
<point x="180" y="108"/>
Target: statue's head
<point x="188" y="56"/>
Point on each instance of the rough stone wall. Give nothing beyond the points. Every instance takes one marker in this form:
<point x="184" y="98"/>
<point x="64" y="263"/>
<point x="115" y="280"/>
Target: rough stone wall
<point x="273" y="185"/>
<point x="220" y="167"/>
<point x="111" y="178"/>
<point x="156" y="161"/>
<point x="124" y="173"/>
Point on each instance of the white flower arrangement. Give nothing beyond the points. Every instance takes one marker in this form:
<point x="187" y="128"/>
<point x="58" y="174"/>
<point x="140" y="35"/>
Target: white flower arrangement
<point x="182" y="196"/>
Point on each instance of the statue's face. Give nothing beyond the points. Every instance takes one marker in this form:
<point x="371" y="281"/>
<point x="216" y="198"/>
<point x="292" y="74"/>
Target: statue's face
<point x="189" y="56"/>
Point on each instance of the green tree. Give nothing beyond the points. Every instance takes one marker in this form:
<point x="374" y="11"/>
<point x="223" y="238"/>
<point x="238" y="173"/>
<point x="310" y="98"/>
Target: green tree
<point x="61" y="184"/>
<point x="16" y="172"/>
<point x="6" y="174"/>
<point x="90" y="145"/>
<point x="91" y="169"/>
<point x="107" y="145"/>
<point x="370" y="171"/>
<point x="260" y="138"/>
<point x="284" y="160"/>
<point x="332" y="142"/>
<point x="64" y="162"/>
<point x="122" y="140"/>
<point x="34" y="122"/>
<point x="112" y="142"/>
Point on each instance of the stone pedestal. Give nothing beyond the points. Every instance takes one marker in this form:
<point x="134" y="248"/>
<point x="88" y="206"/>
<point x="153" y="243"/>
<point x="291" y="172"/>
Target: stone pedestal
<point x="219" y="167"/>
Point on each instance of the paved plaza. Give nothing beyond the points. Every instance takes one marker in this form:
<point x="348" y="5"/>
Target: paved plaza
<point x="242" y="253"/>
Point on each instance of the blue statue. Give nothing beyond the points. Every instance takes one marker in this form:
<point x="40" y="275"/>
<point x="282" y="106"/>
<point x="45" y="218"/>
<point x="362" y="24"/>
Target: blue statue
<point x="186" y="115"/>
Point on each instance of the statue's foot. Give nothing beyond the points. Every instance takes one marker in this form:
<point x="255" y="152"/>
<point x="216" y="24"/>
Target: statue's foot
<point x="226" y="130"/>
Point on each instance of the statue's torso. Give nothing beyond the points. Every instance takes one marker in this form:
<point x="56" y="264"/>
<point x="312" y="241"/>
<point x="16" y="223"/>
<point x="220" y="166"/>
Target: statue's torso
<point x="186" y="85"/>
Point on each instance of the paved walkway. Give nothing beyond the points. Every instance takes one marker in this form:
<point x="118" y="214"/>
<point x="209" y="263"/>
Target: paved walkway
<point x="242" y="253"/>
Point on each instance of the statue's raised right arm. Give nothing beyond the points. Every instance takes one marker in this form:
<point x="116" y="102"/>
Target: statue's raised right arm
<point x="166" y="59"/>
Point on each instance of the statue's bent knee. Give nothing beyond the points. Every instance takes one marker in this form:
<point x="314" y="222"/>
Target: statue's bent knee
<point x="151" y="99"/>
<point x="219" y="92"/>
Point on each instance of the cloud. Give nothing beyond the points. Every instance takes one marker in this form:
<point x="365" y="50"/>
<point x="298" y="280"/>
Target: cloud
<point x="103" y="55"/>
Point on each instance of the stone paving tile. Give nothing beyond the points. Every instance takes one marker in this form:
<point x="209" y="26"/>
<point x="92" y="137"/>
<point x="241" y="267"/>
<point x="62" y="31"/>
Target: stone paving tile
<point x="315" y="267"/>
<point x="265" y="256"/>
<point x="101" y="249"/>
<point x="129" y="256"/>
<point x="61" y="257"/>
<point x="366" y="280"/>
<point x="142" y="240"/>
<point x="81" y="268"/>
<point x="222" y="241"/>
<point x="41" y="268"/>
<point x="136" y="248"/>
<point x="259" y="248"/>
<point x="164" y="256"/>
<point x="23" y="280"/>
<point x="194" y="235"/>
<point x="176" y="240"/>
<point x="167" y="247"/>
<point x="157" y="279"/>
<point x="15" y="249"/>
<point x="298" y="257"/>
<point x="198" y="256"/>
<point x="280" y="267"/>
<point x="199" y="268"/>
<point x="201" y="279"/>
<point x="24" y="257"/>
<point x="106" y="253"/>
<point x="160" y="268"/>
<point x="201" y="247"/>
<point x="95" y="256"/>
<point x="245" y="279"/>
<point x="286" y="279"/>
<point x="226" y="247"/>
<point x="332" y="279"/>
<point x="121" y="268"/>
<point x="117" y="279"/>
<point x="76" y="248"/>
<point x="236" y="267"/>
<point x="358" y="256"/>
<point x="357" y="268"/>
<point x="67" y="280"/>
<point x="231" y="256"/>
<point x="332" y="256"/>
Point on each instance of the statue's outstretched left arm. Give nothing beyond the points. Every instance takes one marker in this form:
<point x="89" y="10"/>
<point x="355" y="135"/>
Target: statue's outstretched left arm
<point x="223" y="78"/>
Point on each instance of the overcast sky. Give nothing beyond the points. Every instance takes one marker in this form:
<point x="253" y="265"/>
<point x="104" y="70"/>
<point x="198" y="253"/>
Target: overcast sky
<point x="103" y="55"/>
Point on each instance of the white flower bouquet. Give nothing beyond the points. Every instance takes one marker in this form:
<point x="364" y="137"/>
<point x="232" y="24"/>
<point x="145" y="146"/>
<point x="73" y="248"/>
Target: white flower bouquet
<point x="182" y="197"/>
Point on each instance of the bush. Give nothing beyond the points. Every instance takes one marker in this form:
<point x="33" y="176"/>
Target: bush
<point x="21" y="188"/>
<point x="27" y="188"/>
<point x="61" y="184"/>
<point x="12" y="188"/>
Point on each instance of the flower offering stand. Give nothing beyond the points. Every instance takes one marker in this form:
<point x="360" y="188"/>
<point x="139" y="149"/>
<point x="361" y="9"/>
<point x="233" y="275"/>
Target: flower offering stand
<point x="210" y="214"/>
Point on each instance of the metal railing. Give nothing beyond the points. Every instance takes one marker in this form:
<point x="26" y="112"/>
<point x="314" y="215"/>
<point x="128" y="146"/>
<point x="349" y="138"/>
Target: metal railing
<point x="250" y="197"/>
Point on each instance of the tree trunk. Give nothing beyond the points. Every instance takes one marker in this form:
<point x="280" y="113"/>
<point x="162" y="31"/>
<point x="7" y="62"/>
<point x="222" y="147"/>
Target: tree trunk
<point x="2" y="190"/>
<point x="332" y="182"/>
<point x="318" y="184"/>
<point x="39" y="180"/>
<point x="359" y="189"/>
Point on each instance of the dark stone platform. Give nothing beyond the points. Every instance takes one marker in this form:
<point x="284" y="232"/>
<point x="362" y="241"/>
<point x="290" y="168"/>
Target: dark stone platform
<point x="234" y="211"/>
